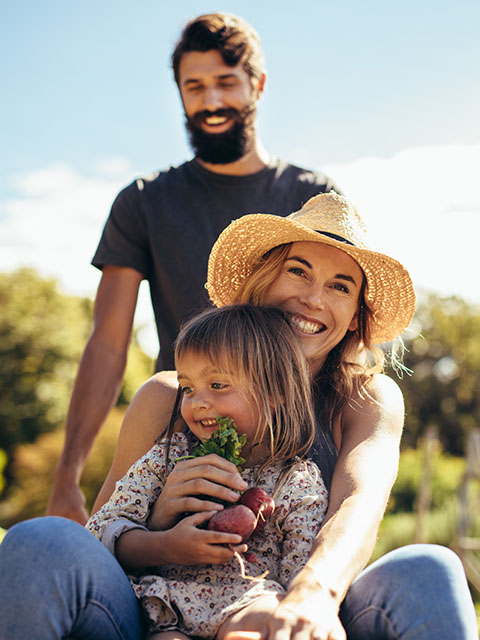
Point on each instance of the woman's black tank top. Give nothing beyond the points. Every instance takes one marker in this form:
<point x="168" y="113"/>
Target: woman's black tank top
<point x="323" y="451"/>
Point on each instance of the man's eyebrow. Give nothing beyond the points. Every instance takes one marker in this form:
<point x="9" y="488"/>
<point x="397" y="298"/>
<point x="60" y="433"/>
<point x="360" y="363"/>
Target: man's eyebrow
<point x="340" y="276"/>
<point x="223" y="76"/>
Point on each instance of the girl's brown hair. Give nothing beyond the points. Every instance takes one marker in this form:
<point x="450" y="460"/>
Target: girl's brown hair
<point x="258" y="347"/>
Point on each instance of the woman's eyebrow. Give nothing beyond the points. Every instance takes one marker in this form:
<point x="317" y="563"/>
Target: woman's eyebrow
<point x="342" y="276"/>
<point x="301" y="260"/>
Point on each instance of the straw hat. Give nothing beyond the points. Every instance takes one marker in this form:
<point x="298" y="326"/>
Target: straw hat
<point x="329" y="219"/>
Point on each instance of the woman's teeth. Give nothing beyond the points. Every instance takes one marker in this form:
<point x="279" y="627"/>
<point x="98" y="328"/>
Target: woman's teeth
<point x="307" y="326"/>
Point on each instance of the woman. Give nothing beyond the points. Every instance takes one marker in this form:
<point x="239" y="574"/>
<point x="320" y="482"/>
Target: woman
<point x="344" y="298"/>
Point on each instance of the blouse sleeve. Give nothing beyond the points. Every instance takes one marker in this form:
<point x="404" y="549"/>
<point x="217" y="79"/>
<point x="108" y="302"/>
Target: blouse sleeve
<point x="305" y="499"/>
<point x="130" y="503"/>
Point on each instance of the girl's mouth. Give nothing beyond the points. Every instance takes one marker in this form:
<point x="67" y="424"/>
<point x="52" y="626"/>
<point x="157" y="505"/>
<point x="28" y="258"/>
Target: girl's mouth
<point x="209" y="422"/>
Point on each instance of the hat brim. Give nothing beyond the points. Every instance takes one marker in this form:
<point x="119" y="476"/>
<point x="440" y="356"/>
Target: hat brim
<point x="389" y="292"/>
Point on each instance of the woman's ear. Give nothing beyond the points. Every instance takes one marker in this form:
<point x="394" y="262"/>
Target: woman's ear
<point x="353" y="326"/>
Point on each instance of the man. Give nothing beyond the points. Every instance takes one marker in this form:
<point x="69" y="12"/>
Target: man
<point x="162" y="227"/>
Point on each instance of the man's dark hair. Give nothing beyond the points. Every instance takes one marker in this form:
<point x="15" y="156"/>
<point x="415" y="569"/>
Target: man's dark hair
<point x="232" y="36"/>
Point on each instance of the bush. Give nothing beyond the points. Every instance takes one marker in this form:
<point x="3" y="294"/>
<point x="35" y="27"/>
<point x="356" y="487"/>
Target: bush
<point x="34" y="465"/>
<point x="447" y="472"/>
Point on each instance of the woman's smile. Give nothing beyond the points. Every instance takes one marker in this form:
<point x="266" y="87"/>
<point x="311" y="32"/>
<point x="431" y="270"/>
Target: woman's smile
<point x="319" y="286"/>
<point x="305" y="325"/>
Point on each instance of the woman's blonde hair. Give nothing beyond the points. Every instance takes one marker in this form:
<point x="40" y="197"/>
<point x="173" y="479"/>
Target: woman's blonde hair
<point x="351" y="364"/>
<point x="257" y="346"/>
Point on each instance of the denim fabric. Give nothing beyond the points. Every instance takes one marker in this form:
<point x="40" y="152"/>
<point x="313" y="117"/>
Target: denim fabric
<point x="58" y="581"/>
<point x="417" y="592"/>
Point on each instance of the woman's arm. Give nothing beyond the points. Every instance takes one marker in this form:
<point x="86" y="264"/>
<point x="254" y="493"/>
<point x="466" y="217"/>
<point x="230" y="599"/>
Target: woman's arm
<point x="364" y="475"/>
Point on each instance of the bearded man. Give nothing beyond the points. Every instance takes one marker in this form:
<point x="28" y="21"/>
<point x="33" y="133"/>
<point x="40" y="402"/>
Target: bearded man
<point x="162" y="226"/>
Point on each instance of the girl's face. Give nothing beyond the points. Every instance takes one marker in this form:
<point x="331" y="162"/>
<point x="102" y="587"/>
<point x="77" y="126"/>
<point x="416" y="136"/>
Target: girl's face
<point x="319" y="286"/>
<point x="208" y="394"/>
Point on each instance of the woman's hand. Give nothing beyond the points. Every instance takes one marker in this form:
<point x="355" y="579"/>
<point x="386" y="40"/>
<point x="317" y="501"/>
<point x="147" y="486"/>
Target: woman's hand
<point x="187" y="544"/>
<point x="306" y="614"/>
<point x="206" y="476"/>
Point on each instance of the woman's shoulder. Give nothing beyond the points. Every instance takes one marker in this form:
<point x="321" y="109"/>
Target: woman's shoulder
<point x="383" y="391"/>
<point x="377" y="407"/>
<point x="153" y="403"/>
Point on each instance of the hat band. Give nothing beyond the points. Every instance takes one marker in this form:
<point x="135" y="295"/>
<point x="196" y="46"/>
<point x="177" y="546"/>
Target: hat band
<point x="335" y="237"/>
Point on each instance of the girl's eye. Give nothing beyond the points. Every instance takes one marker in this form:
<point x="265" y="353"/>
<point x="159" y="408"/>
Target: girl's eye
<point x="218" y="385"/>
<point x="186" y="390"/>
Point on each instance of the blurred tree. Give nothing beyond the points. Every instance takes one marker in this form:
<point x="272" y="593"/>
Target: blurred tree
<point x="33" y="466"/>
<point x="444" y="354"/>
<point x="42" y="336"/>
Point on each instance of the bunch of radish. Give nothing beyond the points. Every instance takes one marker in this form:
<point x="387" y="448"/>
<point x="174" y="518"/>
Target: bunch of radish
<point x="254" y="507"/>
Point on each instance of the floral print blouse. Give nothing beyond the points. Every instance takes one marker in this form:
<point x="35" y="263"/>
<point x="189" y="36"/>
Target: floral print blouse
<point x="197" y="599"/>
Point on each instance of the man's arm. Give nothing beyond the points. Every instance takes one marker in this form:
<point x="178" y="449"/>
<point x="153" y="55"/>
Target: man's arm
<point x="97" y="385"/>
<point x="364" y="475"/>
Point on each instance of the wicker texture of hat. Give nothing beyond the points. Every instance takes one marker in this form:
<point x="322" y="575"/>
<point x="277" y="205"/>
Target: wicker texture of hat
<point x="328" y="219"/>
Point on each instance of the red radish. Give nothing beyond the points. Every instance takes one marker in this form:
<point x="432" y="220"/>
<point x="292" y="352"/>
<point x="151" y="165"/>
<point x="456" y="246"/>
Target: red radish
<point x="237" y="519"/>
<point x="241" y="520"/>
<point x="260" y="503"/>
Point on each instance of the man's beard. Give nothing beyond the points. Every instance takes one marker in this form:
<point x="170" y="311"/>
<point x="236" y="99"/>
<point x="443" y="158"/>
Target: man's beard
<point x="226" y="147"/>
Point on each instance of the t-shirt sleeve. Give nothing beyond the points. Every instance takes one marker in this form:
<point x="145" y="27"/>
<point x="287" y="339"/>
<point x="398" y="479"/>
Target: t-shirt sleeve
<point x="319" y="182"/>
<point x="124" y="241"/>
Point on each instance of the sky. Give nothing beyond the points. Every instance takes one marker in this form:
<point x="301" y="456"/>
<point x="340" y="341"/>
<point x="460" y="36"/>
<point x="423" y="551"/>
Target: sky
<point x="382" y="96"/>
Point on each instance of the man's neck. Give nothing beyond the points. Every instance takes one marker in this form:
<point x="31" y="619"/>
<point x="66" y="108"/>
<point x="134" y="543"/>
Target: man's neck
<point x="252" y="162"/>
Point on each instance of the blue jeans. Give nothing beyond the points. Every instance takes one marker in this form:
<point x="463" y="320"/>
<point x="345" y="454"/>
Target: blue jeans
<point x="416" y="592"/>
<point x="58" y="581"/>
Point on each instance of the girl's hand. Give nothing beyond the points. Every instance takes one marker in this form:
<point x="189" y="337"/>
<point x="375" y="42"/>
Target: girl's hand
<point x="189" y="545"/>
<point x="207" y="476"/>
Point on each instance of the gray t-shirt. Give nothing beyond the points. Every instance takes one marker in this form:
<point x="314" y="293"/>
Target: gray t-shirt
<point x="164" y="225"/>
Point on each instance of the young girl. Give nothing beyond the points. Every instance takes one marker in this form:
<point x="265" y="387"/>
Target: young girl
<point x="245" y="363"/>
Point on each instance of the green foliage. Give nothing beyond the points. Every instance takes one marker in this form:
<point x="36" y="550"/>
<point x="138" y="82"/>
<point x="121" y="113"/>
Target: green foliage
<point x="3" y="464"/>
<point x="34" y="465"/>
<point x="42" y="337"/>
<point x="224" y="442"/>
<point x="444" y="354"/>
<point x="398" y="527"/>
<point x="447" y="472"/>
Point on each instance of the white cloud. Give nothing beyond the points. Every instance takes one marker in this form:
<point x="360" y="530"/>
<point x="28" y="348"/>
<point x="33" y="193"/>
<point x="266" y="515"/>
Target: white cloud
<point x="54" y="222"/>
<point x="422" y="206"/>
